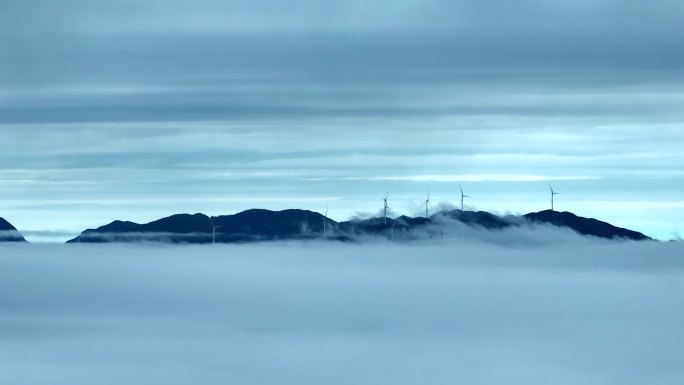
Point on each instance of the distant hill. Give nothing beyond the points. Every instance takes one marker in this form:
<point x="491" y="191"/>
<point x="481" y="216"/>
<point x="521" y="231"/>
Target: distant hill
<point x="247" y="226"/>
<point x="259" y="224"/>
<point x="584" y="226"/>
<point x="9" y="233"/>
<point x="265" y="225"/>
<point x="479" y="218"/>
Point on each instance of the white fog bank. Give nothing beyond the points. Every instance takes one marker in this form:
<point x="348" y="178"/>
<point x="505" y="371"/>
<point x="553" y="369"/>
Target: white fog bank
<point x="580" y="312"/>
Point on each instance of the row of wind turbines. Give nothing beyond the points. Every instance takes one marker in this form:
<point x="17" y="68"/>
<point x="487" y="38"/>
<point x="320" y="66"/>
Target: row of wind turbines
<point x="386" y="207"/>
<point x="463" y="196"/>
<point x="428" y="205"/>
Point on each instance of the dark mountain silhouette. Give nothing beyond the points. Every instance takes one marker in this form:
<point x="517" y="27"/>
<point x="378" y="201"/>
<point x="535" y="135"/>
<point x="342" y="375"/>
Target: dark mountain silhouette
<point x="479" y="218"/>
<point x="584" y="226"/>
<point x="178" y="228"/>
<point x="9" y="233"/>
<point x="246" y="226"/>
<point x="117" y="227"/>
<point x="259" y="224"/>
<point x="265" y="225"/>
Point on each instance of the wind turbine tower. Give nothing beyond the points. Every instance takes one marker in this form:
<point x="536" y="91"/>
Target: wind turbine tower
<point x="325" y="221"/>
<point x="213" y="231"/>
<point x="462" y="196"/>
<point x="427" y="203"/>
<point x="553" y="193"/>
<point x="386" y="207"/>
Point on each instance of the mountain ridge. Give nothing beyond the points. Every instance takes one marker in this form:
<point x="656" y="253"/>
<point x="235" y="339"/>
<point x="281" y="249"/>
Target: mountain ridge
<point x="255" y="225"/>
<point x="584" y="226"/>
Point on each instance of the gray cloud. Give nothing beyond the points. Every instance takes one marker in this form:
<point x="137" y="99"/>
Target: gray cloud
<point x="106" y="100"/>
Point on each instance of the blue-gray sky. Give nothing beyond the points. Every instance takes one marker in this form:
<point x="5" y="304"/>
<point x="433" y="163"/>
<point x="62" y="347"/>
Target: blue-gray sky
<point x="140" y="109"/>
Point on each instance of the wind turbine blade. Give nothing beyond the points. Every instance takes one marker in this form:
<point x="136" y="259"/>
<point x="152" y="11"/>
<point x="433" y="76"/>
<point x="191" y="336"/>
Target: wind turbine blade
<point x="460" y="188"/>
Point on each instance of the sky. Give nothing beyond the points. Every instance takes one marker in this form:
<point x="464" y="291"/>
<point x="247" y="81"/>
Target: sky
<point x="140" y="109"/>
<point x="575" y="311"/>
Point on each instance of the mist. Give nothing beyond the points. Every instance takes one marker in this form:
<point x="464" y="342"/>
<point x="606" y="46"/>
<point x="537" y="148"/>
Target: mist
<point x="433" y="312"/>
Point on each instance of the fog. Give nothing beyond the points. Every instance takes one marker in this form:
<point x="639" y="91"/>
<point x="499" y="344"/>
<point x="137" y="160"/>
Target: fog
<point x="430" y="312"/>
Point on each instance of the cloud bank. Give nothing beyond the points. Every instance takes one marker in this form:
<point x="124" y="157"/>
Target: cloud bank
<point x="569" y="313"/>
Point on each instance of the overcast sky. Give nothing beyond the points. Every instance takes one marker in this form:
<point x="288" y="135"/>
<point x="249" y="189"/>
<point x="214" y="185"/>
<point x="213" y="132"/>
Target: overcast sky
<point x="140" y="109"/>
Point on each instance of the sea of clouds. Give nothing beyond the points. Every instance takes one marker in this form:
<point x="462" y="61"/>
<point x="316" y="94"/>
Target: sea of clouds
<point x="567" y="311"/>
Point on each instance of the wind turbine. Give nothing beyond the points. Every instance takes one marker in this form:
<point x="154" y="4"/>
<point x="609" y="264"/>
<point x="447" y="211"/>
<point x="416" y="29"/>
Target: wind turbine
<point x="386" y="207"/>
<point x="213" y="231"/>
<point x="427" y="203"/>
<point x="462" y="196"/>
<point x="325" y="221"/>
<point x="553" y="193"/>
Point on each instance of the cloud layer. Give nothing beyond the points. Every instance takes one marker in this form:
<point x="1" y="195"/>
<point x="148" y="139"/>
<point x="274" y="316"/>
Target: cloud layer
<point x="567" y="312"/>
